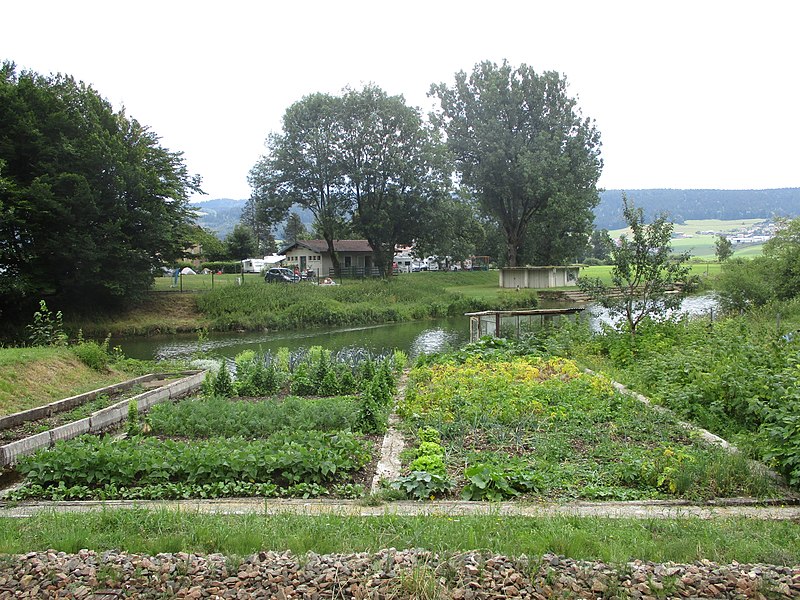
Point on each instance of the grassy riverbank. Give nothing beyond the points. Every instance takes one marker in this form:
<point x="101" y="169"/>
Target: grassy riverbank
<point x="31" y="377"/>
<point x="256" y="305"/>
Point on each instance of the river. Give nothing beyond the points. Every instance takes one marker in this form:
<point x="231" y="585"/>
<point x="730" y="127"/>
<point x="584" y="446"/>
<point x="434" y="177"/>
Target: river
<point x="415" y="338"/>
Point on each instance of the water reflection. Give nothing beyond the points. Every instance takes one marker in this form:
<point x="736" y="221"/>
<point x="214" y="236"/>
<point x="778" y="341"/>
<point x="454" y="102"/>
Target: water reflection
<point x="704" y="305"/>
<point x="436" y="340"/>
<point x="415" y="338"/>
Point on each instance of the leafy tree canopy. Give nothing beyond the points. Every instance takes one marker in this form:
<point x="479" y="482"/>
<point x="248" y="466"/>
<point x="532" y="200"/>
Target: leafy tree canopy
<point x="91" y="204"/>
<point x="644" y="272"/>
<point x="533" y="162"/>
<point x="362" y="161"/>
<point x="723" y="248"/>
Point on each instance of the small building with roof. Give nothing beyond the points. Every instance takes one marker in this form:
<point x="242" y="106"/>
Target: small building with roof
<point x="355" y="257"/>
<point x="539" y="277"/>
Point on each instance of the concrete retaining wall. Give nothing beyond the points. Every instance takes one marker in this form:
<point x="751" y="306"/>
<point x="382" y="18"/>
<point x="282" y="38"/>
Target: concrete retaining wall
<point x="69" y="431"/>
<point x="100" y="420"/>
<point x="11" y="452"/>
<point x="42" y="412"/>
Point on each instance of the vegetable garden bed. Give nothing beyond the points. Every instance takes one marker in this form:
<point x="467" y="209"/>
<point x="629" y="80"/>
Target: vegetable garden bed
<point x="308" y="425"/>
<point x="491" y="425"/>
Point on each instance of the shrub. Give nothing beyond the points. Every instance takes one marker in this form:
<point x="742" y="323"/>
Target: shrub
<point x="92" y="354"/>
<point x="222" y="384"/>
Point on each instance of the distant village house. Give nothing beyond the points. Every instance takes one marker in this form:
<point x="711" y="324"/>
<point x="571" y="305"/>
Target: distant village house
<point x="355" y="257"/>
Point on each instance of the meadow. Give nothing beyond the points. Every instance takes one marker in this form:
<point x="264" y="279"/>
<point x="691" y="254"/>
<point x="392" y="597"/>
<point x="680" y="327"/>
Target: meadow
<point x="702" y="245"/>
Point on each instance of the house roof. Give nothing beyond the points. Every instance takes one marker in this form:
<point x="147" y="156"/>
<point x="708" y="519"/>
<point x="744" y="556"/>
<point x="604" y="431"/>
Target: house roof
<point x="321" y="246"/>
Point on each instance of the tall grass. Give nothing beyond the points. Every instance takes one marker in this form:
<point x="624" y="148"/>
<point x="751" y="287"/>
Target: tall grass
<point x="590" y="538"/>
<point x="292" y="306"/>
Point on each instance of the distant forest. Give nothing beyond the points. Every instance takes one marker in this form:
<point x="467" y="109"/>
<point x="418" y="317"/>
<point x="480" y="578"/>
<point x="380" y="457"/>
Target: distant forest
<point x="682" y="205"/>
<point x="222" y="214"/>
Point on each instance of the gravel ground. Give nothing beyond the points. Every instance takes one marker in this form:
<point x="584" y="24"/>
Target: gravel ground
<point x="386" y="574"/>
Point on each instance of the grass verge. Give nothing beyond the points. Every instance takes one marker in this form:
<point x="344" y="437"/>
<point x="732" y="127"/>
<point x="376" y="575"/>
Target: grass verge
<point x="588" y="538"/>
<point x="31" y="377"/>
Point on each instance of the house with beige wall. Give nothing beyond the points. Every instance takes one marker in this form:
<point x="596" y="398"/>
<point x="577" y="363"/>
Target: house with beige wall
<point x="355" y="257"/>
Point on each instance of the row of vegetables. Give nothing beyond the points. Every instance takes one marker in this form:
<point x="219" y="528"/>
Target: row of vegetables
<point x="484" y="423"/>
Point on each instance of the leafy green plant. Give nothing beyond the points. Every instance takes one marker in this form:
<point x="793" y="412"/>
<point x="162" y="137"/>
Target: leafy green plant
<point x="286" y="458"/>
<point x="432" y="463"/>
<point x="133" y="425"/>
<point x="47" y="328"/>
<point x="422" y="485"/>
<point x="92" y="354"/>
<point x="492" y="482"/>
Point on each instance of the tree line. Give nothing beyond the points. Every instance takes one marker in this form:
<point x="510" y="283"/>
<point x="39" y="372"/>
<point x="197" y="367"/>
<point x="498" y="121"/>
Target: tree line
<point x="91" y="204"/>
<point x="506" y="166"/>
<point x="682" y="205"/>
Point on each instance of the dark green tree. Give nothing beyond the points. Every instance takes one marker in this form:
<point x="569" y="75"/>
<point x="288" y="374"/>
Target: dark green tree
<point x="302" y="167"/>
<point x="395" y="170"/>
<point x="363" y="161"/>
<point x="600" y="245"/>
<point x="522" y="146"/>
<point x="453" y="232"/>
<point x="211" y="247"/>
<point x="91" y="203"/>
<point x="262" y="218"/>
<point x="294" y="229"/>
<point x="241" y="243"/>
<point x="644" y="271"/>
<point x="723" y="248"/>
<point x="783" y="251"/>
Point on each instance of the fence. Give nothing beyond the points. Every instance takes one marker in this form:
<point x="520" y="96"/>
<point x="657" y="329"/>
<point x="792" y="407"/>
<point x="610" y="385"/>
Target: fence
<point x="204" y="283"/>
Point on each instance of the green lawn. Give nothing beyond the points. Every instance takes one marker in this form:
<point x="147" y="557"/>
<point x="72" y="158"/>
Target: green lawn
<point x="591" y="538"/>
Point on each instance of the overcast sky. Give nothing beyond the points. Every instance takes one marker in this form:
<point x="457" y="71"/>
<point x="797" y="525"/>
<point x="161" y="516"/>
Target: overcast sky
<point x="686" y="94"/>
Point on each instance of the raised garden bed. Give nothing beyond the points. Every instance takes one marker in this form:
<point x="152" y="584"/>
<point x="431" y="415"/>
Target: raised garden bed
<point x="27" y="432"/>
<point x="306" y="425"/>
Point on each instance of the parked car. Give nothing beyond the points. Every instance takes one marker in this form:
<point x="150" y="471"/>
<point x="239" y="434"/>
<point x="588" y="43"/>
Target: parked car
<point x="281" y="275"/>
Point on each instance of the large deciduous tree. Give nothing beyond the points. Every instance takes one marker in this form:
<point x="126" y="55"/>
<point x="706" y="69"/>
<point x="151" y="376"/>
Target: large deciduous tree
<point x="362" y="161"/>
<point x="394" y="167"/>
<point x="303" y="167"/>
<point x="91" y="202"/>
<point x="532" y="161"/>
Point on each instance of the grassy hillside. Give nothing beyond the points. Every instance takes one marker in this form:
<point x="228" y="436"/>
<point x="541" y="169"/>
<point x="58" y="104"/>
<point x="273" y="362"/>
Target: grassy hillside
<point x="31" y="377"/>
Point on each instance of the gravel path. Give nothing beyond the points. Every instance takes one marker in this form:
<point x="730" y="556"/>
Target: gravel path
<point x="383" y="575"/>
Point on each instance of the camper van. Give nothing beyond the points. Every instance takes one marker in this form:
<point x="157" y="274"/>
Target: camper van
<point x="253" y="265"/>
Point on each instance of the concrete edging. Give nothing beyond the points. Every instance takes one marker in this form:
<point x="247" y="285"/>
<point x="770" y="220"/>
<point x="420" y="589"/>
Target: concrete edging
<point x="41" y="412"/>
<point x="102" y="419"/>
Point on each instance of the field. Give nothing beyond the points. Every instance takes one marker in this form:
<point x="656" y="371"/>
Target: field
<point x="702" y="245"/>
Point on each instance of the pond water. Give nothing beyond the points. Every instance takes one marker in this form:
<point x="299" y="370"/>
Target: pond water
<point x="414" y="338"/>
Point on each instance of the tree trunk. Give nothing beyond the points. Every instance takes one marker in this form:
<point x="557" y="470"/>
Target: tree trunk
<point x="511" y="253"/>
<point x="334" y="258"/>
